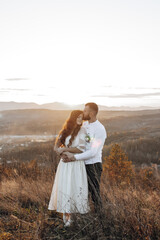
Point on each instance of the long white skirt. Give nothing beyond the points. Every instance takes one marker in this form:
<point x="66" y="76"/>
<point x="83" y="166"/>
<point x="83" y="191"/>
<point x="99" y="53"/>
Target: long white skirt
<point x="70" y="188"/>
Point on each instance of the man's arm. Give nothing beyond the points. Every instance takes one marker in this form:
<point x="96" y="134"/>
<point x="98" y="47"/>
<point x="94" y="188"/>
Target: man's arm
<point x="97" y="143"/>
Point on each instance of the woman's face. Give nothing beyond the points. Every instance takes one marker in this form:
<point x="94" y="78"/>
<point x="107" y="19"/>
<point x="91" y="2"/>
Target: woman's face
<point x="80" y="119"/>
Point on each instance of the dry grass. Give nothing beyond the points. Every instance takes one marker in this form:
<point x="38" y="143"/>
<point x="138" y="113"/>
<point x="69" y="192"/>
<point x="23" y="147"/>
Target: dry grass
<point x="129" y="212"/>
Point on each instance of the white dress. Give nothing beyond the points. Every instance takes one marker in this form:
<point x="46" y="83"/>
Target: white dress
<point x="70" y="188"/>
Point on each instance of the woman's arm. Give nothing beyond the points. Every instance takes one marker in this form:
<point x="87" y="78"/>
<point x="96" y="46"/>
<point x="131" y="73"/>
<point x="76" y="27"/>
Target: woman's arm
<point x="71" y="150"/>
<point x="81" y="146"/>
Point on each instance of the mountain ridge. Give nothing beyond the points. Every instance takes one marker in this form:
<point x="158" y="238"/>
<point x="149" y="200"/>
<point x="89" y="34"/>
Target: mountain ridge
<point x="63" y="106"/>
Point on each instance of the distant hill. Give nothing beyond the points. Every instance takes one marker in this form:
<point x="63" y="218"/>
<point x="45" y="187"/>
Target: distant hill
<point x="62" y="106"/>
<point x="51" y="106"/>
<point x="44" y="120"/>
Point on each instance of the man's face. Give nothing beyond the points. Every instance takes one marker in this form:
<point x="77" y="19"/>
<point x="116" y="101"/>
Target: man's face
<point x="86" y="113"/>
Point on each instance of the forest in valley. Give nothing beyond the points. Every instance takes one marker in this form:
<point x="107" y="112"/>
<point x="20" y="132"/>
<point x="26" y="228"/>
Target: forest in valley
<point x="137" y="132"/>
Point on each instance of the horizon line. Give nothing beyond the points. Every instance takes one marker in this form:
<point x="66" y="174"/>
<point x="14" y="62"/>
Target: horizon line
<point x="67" y="104"/>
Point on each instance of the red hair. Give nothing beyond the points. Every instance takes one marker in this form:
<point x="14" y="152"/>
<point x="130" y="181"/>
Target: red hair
<point x="70" y="127"/>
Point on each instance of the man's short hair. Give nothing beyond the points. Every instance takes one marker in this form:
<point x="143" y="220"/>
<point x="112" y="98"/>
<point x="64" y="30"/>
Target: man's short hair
<point x="93" y="106"/>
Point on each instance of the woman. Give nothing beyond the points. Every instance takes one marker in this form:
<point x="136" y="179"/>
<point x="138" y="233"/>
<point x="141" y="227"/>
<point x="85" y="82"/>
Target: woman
<point x="70" y="188"/>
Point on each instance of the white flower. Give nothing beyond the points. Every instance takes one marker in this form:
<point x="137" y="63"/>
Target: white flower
<point x="87" y="138"/>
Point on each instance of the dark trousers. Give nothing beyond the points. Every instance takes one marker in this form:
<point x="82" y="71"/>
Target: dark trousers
<point x="94" y="172"/>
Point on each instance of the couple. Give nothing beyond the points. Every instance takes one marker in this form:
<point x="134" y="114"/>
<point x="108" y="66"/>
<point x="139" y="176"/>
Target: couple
<point x="79" y="145"/>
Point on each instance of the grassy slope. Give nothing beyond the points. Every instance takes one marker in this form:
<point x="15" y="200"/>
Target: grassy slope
<point x="130" y="212"/>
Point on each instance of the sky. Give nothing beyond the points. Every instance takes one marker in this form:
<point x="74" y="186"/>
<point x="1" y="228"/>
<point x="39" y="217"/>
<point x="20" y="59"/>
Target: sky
<point x="104" y="51"/>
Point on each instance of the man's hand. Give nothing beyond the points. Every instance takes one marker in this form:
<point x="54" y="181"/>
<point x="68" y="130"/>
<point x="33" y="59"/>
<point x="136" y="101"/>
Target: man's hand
<point x="68" y="157"/>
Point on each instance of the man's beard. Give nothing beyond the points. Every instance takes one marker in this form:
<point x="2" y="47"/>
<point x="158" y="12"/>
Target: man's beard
<point x="86" y="117"/>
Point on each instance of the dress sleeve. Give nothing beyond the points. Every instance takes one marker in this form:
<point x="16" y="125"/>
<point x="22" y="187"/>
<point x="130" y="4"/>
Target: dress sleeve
<point x="81" y="141"/>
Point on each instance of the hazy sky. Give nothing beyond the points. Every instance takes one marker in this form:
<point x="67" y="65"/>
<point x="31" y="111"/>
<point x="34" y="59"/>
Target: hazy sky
<point x="78" y="51"/>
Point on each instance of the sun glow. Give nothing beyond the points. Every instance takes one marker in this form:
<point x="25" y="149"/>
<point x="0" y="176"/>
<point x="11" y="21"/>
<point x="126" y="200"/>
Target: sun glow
<point x="79" y="52"/>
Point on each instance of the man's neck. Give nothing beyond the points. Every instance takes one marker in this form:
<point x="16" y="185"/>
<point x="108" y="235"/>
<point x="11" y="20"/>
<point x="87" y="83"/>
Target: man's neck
<point x="92" y="120"/>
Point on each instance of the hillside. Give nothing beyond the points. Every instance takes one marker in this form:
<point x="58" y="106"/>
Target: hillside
<point x="137" y="132"/>
<point x="28" y="165"/>
<point x="38" y="121"/>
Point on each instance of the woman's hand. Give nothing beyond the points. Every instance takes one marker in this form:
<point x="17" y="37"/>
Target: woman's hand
<point x="61" y="150"/>
<point x="57" y="150"/>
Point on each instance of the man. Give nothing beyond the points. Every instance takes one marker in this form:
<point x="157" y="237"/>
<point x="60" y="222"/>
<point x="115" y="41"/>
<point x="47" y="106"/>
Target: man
<point x="95" y="138"/>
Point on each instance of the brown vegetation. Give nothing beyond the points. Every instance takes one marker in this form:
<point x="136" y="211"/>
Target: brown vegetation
<point x="118" y="168"/>
<point x="130" y="210"/>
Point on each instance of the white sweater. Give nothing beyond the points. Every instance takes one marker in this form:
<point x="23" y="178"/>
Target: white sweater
<point x="95" y="138"/>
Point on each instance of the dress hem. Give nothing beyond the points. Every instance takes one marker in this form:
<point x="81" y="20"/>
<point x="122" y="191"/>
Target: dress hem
<point x="59" y="211"/>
